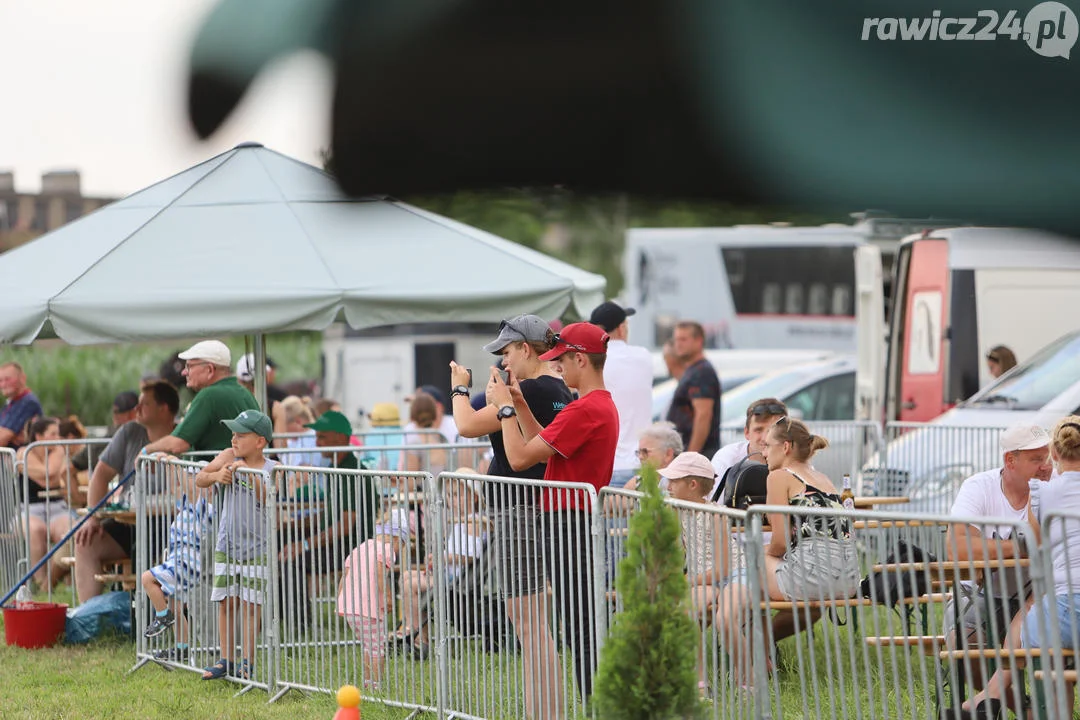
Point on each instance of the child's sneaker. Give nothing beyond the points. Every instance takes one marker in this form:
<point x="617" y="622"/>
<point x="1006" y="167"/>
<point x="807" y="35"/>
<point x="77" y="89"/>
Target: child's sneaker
<point x="160" y="624"/>
<point x="173" y="654"/>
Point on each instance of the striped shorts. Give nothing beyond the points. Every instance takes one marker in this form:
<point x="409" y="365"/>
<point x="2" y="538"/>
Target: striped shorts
<point x="371" y="632"/>
<point x="175" y="581"/>
<point x="245" y="580"/>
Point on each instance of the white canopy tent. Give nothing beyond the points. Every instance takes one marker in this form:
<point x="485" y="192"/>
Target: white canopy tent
<point x="254" y="242"/>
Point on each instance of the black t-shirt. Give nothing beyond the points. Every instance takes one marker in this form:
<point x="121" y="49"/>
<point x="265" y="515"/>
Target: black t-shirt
<point x="698" y="382"/>
<point x="275" y="394"/>
<point x="546" y="396"/>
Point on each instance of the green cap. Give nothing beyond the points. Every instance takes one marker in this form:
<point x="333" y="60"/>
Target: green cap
<point x="331" y="421"/>
<point x="252" y="421"/>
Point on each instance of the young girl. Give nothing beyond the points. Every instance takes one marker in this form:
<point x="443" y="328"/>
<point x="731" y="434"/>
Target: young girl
<point x="364" y="589"/>
<point x="240" y="550"/>
<point x="48" y="470"/>
<point x="466" y="535"/>
<point x="690" y="479"/>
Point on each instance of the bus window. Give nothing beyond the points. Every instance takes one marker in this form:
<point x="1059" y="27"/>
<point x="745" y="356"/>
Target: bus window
<point x="771" y="295"/>
<point x="818" y="302"/>
<point x="776" y="279"/>
<point x="841" y="300"/>
<point x="793" y="299"/>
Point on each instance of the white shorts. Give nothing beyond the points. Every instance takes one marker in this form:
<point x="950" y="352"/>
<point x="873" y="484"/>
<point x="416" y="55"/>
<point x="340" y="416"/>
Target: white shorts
<point x="46" y="512"/>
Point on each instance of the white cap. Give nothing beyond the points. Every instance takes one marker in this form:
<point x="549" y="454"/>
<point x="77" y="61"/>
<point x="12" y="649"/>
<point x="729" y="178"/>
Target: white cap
<point x="212" y="351"/>
<point x="1023" y="437"/>
<point x="689" y="464"/>
<point x="244" y="365"/>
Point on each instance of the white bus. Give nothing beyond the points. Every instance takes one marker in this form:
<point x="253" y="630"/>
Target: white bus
<point x="769" y="287"/>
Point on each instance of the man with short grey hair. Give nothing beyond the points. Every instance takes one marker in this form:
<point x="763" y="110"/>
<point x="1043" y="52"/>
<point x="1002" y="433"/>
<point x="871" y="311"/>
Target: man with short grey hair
<point x="658" y="445"/>
<point x="208" y="370"/>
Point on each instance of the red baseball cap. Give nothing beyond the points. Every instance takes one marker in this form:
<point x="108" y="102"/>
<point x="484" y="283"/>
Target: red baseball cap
<point x="582" y="337"/>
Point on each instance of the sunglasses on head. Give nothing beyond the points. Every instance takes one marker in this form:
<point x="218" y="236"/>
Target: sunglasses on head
<point x="785" y="419"/>
<point x="993" y="358"/>
<point x="507" y="324"/>
<point x="558" y="340"/>
<point x="767" y="409"/>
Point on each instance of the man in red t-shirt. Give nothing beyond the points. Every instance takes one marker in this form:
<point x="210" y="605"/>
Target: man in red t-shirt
<point x="578" y="446"/>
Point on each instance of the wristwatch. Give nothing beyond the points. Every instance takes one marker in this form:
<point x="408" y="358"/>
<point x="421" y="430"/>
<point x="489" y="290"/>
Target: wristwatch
<point x="459" y="390"/>
<point x="506" y="411"/>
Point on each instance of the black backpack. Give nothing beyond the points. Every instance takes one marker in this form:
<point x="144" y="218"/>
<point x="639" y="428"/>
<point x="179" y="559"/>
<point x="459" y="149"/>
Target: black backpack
<point x="744" y="484"/>
<point x="890" y="587"/>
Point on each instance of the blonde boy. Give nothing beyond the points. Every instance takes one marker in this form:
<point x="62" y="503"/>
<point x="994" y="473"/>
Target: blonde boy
<point x="240" y="561"/>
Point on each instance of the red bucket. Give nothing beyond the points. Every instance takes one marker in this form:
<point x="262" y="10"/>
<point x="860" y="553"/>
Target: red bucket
<point x="34" y="625"/>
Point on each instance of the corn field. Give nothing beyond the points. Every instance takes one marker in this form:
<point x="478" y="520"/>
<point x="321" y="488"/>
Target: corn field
<point x="84" y="380"/>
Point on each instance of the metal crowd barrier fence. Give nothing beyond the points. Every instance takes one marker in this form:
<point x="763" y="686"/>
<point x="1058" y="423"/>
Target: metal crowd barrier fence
<point x="345" y="555"/>
<point x="824" y="642"/>
<point x="928" y="462"/>
<point x="46" y="468"/>
<point x="518" y="596"/>
<point x="12" y="538"/>
<point x="851" y="444"/>
<point x="505" y="567"/>
<point x="1053" y="622"/>
<point x="715" y="545"/>
<point x="203" y="558"/>
<point x="500" y="609"/>
<point x="433" y="458"/>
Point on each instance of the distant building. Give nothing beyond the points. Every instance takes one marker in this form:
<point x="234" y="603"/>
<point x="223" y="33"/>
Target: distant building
<point x="24" y="216"/>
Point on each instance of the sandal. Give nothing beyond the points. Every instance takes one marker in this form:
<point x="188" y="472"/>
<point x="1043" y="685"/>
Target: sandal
<point x="246" y="670"/>
<point x="218" y="670"/>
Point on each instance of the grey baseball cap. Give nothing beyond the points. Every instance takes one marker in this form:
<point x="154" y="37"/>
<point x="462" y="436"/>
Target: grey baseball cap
<point x="523" y="328"/>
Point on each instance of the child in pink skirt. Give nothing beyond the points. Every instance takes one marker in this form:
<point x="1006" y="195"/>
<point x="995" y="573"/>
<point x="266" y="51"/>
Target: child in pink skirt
<point x="364" y="589"/>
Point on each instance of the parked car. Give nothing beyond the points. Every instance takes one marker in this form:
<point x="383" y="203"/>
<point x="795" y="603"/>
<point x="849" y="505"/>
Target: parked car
<point x="743" y="363"/>
<point x="822" y="394"/>
<point x="929" y="462"/>
<point x="664" y="391"/>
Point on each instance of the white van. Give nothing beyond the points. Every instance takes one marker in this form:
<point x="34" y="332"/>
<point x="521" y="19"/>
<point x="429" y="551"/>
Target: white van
<point x="928" y="463"/>
<point x="958" y="293"/>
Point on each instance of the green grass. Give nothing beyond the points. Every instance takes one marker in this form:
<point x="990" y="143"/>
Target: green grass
<point x="92" y="681"/>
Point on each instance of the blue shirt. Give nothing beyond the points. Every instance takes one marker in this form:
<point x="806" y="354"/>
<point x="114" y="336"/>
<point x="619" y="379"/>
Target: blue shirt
<point x="17" y="413"/>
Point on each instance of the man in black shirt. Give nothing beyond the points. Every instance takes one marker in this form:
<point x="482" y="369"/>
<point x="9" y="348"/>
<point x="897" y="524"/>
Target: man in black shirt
<point x="695" y="408"/>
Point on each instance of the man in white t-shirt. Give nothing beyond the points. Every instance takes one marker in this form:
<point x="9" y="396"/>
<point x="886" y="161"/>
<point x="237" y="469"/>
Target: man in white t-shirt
<point x="628" y="375"/>
<point x="760" y="416"/>
<point x="1002" y="493"/>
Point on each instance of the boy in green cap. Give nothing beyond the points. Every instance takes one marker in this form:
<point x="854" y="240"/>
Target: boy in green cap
<point x="240" y="567"/>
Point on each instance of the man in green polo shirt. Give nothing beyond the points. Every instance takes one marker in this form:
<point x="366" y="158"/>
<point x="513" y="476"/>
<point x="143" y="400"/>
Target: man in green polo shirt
<point x="218" y="396"/>
<point x="347" y="520"/>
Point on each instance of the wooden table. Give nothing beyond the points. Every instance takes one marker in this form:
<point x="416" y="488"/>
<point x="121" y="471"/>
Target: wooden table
<point x="126" y="517"/>
<point x="866" y="503"/>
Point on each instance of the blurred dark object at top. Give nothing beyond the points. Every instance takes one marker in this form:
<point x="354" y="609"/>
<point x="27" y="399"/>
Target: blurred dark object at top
<point x="805" y="105"/>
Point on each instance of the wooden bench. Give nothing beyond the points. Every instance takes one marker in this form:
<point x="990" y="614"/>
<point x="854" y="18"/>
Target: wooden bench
<point x="890" y="524"/>
<point x="1069" y="676"/>
<point x="849" y="602"/>
<point x="116" y="572"/>
<point x="1005" y="657"/>
<point x="930" y="645"/>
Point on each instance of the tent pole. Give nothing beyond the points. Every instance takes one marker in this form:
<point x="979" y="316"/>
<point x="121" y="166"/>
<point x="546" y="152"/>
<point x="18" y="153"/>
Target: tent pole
<point x="259" y="371"/>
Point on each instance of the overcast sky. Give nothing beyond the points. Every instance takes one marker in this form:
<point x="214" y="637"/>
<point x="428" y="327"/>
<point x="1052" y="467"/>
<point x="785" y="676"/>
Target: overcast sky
<point x="98" y="86"/>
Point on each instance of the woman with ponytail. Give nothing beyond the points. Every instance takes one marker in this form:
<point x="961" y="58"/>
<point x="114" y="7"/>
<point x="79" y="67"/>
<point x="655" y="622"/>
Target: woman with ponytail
<point x="808" y="557"/>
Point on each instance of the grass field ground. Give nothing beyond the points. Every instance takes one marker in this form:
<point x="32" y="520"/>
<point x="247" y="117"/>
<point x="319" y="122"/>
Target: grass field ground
<point x="92" y="681"/>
